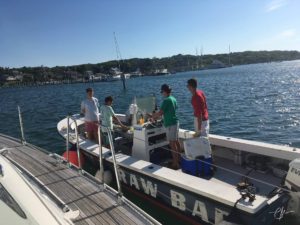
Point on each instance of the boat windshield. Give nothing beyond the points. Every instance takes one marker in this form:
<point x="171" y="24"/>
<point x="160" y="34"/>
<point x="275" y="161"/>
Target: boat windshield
<point x="146" y="104"/>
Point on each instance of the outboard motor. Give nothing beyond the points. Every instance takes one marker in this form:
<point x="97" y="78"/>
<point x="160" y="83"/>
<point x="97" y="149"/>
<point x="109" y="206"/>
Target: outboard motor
<point x="292" y="181"/>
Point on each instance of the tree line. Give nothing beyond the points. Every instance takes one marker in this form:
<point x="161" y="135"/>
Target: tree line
<point x="176" y="63"/>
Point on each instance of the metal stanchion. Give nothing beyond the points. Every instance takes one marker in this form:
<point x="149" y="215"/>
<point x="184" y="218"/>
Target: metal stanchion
<point x="77" y="142"/>
<point x="67" y="139"/>
<point x="21" y="126"/>
<point x="114" y="160"/>
<point x="100" y="155"/>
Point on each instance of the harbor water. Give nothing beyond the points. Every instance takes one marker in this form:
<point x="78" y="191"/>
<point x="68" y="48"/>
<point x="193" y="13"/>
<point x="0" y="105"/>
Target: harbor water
<point x="255" y="102"/>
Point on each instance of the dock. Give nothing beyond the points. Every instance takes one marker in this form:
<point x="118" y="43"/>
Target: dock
<point x="72" y="189"/>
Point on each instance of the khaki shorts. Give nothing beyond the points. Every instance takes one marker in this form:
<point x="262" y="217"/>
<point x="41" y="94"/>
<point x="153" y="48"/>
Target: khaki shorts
<point x="172" y="132"/>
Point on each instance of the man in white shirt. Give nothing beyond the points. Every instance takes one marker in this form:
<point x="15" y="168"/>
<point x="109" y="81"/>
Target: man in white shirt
<point x="89" y="107"/>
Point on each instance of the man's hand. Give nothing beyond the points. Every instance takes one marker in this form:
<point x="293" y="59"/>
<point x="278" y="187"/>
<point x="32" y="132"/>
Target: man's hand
<point x="125" y="128"/>
<point x="151" y="120"/>
<point x="197" y="134"/>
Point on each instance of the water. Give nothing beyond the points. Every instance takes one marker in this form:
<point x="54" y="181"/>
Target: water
<point x="255" y="102"/>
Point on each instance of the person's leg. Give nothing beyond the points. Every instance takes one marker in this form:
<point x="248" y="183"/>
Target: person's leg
<point x="88" y="130"/>
<point x="95" y="132"/>
<point x="205" y="128"/>
<point x="175" y="163"/>
<point x="172" y="138"/>
<point x="178" y="146"/>
<point x="175" y="146"/>
<point x="196" y="128"/>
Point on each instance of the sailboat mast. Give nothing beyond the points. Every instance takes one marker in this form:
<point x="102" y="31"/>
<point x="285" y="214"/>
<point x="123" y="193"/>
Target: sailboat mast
<point x="201" y="56"/>
<point x="197" y="59"/>
<point x="119" y="57"/>
<point x="229" y="57"/>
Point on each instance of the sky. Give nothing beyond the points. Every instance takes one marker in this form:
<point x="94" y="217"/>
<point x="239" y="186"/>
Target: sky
<point x="70" y="32"/>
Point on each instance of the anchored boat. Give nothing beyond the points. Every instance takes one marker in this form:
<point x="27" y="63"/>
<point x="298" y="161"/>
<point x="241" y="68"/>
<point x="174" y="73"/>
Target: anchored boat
<point x="222" y="180"/>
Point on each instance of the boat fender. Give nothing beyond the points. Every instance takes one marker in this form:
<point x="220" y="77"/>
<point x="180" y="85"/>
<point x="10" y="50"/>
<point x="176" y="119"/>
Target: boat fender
<point x="108" y="177"/>
<point x="73" y="158"/>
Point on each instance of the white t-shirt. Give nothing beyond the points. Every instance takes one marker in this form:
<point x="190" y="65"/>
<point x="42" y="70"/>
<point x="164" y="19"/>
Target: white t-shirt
<point x="90" y="109"/>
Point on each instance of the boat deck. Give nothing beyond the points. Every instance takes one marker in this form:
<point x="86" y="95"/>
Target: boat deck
<point x="96" y="203"/>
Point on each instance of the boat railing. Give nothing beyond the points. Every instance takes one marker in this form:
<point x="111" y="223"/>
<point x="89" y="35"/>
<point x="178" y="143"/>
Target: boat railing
<point x="77" y="140"/>
<point x="112" y="149"/>
<point x="21" y="127"/>
<point x="101" y="165"/>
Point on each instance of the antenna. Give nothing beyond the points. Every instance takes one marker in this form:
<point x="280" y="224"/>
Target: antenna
<point x="197" y="60"/>
<point x="201" y="56"/>
<point x="229" y="56"/>
<point x="119" y="57"/>
<point x="21" y="127"/>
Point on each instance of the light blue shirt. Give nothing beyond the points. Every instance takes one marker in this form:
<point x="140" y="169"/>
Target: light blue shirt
<point x="107" y="114"/>
<point x="90" y="109"/>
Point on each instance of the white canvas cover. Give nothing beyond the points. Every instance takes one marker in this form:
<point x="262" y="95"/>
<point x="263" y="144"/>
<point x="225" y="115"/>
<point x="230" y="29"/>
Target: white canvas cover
<point x="198" y="146"/>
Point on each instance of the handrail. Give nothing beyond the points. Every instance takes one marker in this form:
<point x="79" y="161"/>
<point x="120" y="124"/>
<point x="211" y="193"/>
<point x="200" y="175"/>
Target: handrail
<point x="112" y="148"/>
<point x="21" y="127"/>
<point x="77" y="140"/>
<point x="67" y="139"/>
<point x="101" y="165"/>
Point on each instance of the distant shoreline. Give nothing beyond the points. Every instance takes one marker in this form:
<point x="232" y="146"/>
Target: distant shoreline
<point x="87" y="73"/>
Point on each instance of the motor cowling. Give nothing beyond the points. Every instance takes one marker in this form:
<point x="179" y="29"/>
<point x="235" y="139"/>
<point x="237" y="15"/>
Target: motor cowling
<point x="292" y="180"/>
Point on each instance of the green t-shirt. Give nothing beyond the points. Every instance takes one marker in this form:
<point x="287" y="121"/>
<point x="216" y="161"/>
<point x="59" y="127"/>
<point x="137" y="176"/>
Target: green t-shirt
<point x="169" y="106"/>
<point x="107" y="113"/>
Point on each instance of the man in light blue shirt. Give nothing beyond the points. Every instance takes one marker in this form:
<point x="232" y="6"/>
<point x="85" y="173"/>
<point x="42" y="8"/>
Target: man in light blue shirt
<point x="108" y="116"/>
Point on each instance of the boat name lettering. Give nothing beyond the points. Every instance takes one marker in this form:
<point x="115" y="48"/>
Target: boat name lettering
<point x="138" y="182"/>
<point x="178" y="201"/>
<point x="295" y="171"/>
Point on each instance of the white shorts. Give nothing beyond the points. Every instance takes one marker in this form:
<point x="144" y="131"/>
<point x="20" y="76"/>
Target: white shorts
<point x="204" y="127"/>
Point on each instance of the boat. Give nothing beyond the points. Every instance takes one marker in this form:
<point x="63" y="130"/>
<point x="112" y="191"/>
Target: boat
<point x="38" y="188"/>
<point x="160" y="72"/>
<point x="216" y="64"/>
<point x="136" y="73"/>
<point x="232" y="181"/>
<point x="114" y="75"/>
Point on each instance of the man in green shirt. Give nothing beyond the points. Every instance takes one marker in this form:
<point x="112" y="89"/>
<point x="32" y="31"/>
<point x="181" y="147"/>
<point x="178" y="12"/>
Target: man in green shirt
<point x="168" y="111"/>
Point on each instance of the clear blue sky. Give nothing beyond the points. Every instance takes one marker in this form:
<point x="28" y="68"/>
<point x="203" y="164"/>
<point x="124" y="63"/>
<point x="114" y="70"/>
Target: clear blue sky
<point x="69" y="32"/>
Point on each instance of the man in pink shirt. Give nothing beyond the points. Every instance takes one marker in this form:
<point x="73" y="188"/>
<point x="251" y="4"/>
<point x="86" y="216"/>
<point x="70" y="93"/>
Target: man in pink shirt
<point x="198" y="101"/>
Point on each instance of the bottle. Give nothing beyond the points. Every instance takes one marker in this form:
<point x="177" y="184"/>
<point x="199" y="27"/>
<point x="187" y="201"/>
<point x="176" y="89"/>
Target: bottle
<point x="141" y="121"/>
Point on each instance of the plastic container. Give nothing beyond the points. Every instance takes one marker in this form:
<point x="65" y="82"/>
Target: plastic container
<point x="204" y="166"/>
<point x="189" y="166"/>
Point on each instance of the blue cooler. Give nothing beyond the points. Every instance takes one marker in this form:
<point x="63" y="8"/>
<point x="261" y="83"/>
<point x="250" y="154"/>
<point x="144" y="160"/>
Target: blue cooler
<point x="189" y="166"/>
<point x="204" y="166"/>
